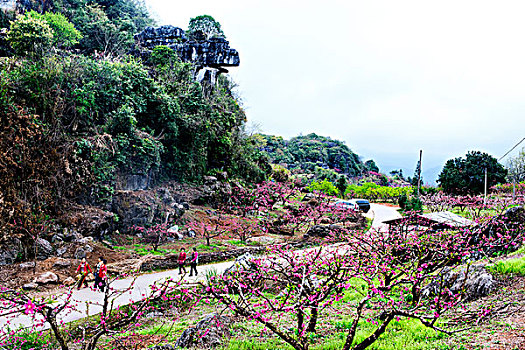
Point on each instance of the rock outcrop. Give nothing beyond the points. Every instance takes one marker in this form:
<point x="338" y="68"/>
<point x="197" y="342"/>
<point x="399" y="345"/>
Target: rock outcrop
<point x="209" y="56"/>
<point x="215" y="52"/>
<point x="10" y="251"/>
<point x="323" y="230"/>
<point x="474" y="281"/>
<point x="207" y="333"/>
<point x="44" y="249"/>
<point x="243" y="262"/>
<point x="47" y="278"/>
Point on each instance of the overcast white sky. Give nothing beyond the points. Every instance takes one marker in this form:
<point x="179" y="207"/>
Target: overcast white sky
<point x="387" y="77"/>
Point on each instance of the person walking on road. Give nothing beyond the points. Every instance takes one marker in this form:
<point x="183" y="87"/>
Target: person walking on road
<point x="182" y="260"/>
<point x="84" y="269"/>
<point x="194" y="261"/>
<point x="100" y="274"/>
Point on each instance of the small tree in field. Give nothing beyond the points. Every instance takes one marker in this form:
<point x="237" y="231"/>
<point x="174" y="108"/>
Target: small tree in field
<point x="244" y="228"/>
<point x="155" y="235"/>
<point x="207" y="231"/>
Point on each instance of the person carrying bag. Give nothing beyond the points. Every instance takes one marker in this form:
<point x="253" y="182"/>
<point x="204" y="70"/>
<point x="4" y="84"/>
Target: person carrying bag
<point x="84" y="269"/>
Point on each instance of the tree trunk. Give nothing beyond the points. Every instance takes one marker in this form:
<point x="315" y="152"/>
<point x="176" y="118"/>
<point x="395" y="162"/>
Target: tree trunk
<point x="313" y="319"/>
<point x="371" y="339"/>
<point x="51" y="319"/>
<point x="300" y="320"/>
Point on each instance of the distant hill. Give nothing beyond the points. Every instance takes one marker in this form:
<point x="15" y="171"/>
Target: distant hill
<point x="310" y="153"/>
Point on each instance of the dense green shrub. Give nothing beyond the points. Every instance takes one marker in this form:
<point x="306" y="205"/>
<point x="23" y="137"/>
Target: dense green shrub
<point x="375" y="192"/>
<point x="402" y="201"/>
<point x="30" y="35"/>
<point x="133" y="111"/>
<point x="324" y="186"/>
<point x="163" y="55"/>
<point x="204" y="27"/>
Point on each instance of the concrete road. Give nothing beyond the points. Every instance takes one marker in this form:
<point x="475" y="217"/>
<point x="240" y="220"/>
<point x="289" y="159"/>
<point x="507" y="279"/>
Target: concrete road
<point x="382" y="213"/>
<point x="88" y="302"/>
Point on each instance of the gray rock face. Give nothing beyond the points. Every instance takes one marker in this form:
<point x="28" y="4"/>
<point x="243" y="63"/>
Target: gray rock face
<point x="208" y="333"/>
<point x="136" y="182"/>
<point x="61" y="251"/>
<point x="10" y="251"/>
<point x="215" y="52"/>
<point x="44" y="249"/>
<point x="47" y="278"/>
<point x="475" y="282"/>
<point x="244" y="262"/>
<point x="322" y="230"/>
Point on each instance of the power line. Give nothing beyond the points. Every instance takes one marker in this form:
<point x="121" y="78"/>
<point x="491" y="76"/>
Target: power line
<point x="512" y="149"/>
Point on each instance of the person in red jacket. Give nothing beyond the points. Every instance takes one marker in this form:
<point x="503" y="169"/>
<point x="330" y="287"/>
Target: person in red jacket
<point x="182" y="260"/>
<point x="101" y="272"/>
<point x="84" y="269"/>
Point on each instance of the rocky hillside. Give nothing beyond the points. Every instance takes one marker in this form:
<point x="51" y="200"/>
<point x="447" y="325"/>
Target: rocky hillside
<point x="91" y="136"/>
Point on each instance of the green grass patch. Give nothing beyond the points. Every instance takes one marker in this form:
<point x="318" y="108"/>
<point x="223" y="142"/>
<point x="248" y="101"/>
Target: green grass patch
<point x="171" y="331"/>
<point x="26" y="340"/>
<point x="236" y="242"/>
<point x="521" y="250"/>
<point x="404" y="334"/>
<point x="516" y="266"/>
<point x="213" y="247"/>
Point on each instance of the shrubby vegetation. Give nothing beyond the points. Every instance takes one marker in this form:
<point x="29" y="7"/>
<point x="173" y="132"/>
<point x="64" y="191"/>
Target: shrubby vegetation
<point x="85" y="122"/>
<point x="324" y="186"/>
<point x="375" y="192"/>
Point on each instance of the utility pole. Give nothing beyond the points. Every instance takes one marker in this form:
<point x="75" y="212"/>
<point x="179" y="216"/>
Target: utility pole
<point x="419" y="171"/>
<point x="485" y="197"/>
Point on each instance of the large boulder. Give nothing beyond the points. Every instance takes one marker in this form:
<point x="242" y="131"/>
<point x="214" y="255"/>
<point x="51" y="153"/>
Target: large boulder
<point x="87" y="221"/>
<point x="44" y="249"/>
<point x="143" y="208"/>
<point x="515" y="214"/>
<point x="323" y="230"/>
<point x="207" y="333"/>
<point x="474" y="281"/>
<point x="47" y="278"/>
<point x="243" y="262"/>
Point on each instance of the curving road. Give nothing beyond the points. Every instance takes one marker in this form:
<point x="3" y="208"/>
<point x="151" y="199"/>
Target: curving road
<point x="383" y="213"/>
<point x="87" y="301"/>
